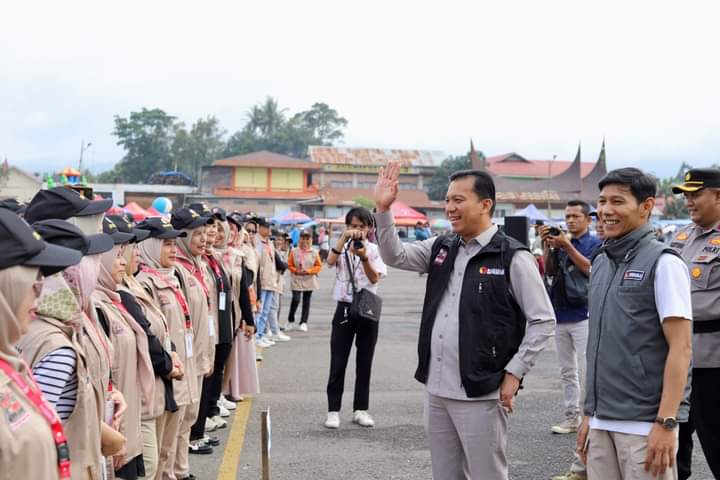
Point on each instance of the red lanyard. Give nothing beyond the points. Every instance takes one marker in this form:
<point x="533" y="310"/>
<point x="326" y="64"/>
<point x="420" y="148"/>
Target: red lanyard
<point x="216" y="268"/>
<point x="197" y="274"/>
<point x="178" y="294"/>
<point x="32" y="393"/>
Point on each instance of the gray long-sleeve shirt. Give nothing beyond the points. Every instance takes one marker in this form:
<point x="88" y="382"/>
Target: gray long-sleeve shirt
<point x="526" y="287"/>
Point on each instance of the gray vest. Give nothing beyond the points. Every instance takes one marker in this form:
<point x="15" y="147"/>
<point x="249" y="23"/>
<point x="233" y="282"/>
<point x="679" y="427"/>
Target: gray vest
<point x="626" y="349"/>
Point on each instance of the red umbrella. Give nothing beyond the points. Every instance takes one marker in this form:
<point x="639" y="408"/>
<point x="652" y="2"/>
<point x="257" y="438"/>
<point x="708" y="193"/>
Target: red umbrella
<point x="405" y="215"/>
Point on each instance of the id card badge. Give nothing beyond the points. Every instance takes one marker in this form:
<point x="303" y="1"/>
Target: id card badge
<point x="221" y="301"/>
<point x="168" y="343"/>
<point x="211" y="325"/>
<point x="188" y="344"/>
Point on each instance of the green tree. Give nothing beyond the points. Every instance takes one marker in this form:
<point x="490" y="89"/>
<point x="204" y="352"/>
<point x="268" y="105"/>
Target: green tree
<point x="675" y="206"/>
<point x="438" y="184"/>
<point x="147" y="137"/>
<point x="200" y="146"/>
<point x="366" y="202"/>
<point x="268" y="128"/>
<point x="325" y="124"/>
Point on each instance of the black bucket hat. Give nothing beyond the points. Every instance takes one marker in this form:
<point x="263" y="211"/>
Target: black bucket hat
<point x="63" y="203"/>
<point x="160" y="228"/>
<point x="21" y="245"/>
<point x="60" y="232"/>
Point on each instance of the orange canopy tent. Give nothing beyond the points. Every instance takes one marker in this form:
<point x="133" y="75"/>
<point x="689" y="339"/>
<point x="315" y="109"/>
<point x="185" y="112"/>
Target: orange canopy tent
<point x="406" y="216"/>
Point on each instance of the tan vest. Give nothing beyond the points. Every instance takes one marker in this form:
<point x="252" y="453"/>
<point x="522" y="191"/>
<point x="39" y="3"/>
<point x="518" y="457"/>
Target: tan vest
<point x="185" y="390"/>
<point x="82" y="428"/>
<point x="27" y="449"/>
<point x="213" y="304"/>
<point x="306" y="258"/>
<point x="268" y="274"/>
<point x="234" y="268"/>
<point x="127" y="347"/>
<point x="153" y="408"/>
<point x="204" y="344"/>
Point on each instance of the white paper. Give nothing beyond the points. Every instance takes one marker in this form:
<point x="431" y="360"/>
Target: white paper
<point x="221" y="301"/>
<point x="188" y="344"/>
<point x="211" y="325"/>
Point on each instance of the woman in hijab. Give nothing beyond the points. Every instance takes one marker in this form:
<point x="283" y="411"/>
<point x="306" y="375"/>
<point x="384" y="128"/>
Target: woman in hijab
<point x="157" y="257"/>
<point x="70" y="355"/>
<point x="132" y="370"/>
<point x="166" y="364"/>
<point x="31" y="433"/>
<point x="241" y="377"/>
<point x="190" y="269"/>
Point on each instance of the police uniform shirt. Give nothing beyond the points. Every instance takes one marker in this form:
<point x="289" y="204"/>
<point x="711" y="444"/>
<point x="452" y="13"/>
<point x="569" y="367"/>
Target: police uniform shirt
<point x="701" y="251"/>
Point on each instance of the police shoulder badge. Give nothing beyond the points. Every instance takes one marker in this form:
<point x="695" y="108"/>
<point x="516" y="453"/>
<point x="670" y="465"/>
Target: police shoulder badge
<point x="696" y="272"/>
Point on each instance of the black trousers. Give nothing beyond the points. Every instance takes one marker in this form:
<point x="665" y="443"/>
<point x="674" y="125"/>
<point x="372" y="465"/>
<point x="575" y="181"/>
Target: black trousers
<point x="704" y="401"/>
<point x="211" y="390"/>
<point x="344" y="330"/>
<point x="296" y="295"/>
<point x="685" y="449"/>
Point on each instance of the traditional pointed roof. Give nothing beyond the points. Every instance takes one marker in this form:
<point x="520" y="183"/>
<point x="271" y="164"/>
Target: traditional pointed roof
<point x="590" y="190"/>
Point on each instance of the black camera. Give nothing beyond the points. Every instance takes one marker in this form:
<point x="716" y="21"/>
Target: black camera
<point x="554" y="231"/>
<point x="358" y="244"/>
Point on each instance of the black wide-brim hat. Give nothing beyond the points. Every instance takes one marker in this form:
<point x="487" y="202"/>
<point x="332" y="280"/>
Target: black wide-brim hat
<point x="119" y="237"/>
<point x="160" y="228"/>
<point x="65" y="234"/>
<point x="126" y="226"/>
<point x="20" y="244"/>
<point x="63" y="203"/>
<point x="188" y="219"/>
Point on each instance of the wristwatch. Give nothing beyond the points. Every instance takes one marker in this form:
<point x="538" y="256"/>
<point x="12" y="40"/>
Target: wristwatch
<point x="668" y="423"/>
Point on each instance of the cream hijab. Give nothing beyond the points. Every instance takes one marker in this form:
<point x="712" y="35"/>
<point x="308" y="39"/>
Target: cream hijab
<point x="15" y="282"/>
<point x="149" y="255"/>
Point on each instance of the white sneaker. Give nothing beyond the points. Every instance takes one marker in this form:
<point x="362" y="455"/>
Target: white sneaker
<point x="224" y="412"/>
<point x="569" y="425"/>
<point x="264" y="343"/>
<point x="290" y="327"/>
<point x="210" y="425"/>
<point x="227" y="403"/>
<point x="269" y="340"/>
<point x="303" y="327"/>
<point x="281" y="337"/>
<point x="219" y="421"/>
<point x="333" y="420"/>
<point x="363" y="418"/>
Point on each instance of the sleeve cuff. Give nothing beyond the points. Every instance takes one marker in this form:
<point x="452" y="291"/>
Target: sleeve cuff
<point x="517" y="367"/>
<point x="384" y="220"/>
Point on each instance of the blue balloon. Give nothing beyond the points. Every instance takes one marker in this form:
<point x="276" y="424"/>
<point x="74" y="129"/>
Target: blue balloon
<point x="162" y="205"/>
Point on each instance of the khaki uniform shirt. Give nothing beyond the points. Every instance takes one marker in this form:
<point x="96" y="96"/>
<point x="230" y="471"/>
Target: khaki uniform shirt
<point x="27" y="448"/>
<point x="310" y="262"/>
<point x="266" y="260"/>
<point x="185" y="390"/>
<point x="701" y="251"/>
<point x="204" y="336"/>
<point x="82" y="428"/>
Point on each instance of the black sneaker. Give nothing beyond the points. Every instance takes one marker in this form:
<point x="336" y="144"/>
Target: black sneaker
<point x="189" y="477"/>
<point x="198" y="447"/>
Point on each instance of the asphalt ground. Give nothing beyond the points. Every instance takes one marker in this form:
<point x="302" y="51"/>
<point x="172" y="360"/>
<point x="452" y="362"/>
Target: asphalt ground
<point x="293" y="377"/>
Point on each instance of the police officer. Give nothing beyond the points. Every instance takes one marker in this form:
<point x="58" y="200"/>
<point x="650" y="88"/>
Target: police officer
<point x="699" y="245"/>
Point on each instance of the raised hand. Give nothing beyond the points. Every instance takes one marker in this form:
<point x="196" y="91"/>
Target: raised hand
<point x="386" y="188"/>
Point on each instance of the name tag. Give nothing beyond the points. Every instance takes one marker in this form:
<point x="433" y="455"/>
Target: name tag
<point x="221" y="301"/>
<point x="188" y="344"/>
<point x="491" y="271"/>
<point x="635" y="275"/>
<point x="167" y="343"/>
<point x="211" y="325"/>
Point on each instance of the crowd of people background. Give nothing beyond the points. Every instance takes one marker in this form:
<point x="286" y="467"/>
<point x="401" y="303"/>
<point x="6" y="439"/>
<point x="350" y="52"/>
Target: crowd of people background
<point x="123" y="346"/>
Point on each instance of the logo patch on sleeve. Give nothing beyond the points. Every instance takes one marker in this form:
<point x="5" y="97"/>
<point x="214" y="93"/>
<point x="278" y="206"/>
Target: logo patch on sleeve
<point x="636" y="275"/>
<point x="15" y="413"/>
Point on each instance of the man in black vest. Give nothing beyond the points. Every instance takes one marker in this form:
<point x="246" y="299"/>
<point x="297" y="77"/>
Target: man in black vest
<point x="486" y="317"/>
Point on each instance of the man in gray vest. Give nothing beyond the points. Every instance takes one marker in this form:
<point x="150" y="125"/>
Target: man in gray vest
<point x="486" y="317"/>
<point x="639" y="346"/>
<point x="699" y="245"/>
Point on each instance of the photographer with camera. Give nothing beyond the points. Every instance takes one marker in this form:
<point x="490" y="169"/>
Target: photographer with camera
<point x="359" y="269"/>
<point x="567" y="261"/>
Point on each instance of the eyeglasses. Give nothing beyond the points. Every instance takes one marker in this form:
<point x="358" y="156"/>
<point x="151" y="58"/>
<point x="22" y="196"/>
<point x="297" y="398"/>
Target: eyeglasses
<point x="251" y="230"/>
<point x="37" y="287"/>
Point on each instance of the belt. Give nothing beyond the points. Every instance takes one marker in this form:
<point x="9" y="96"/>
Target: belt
<point x="706" y="326"/>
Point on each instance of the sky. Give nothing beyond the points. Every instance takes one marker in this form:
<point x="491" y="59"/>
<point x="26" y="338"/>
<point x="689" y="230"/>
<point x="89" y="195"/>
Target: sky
<point x="531" y="77"/>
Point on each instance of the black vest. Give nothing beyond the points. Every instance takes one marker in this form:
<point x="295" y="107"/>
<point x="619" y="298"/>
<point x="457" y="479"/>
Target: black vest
<point x="491" y="322"/>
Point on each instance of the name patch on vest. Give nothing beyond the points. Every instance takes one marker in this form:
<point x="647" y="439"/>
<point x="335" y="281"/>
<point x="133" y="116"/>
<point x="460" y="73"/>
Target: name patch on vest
<point x="15" y="413"/>
<point x="636" y="275"/>
<point x="491" y="271"/>
<point x="441" y="256"/>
